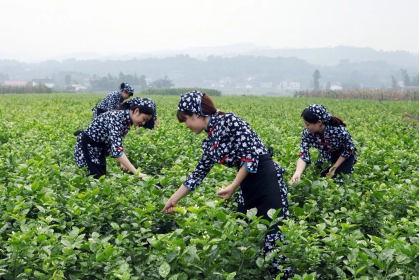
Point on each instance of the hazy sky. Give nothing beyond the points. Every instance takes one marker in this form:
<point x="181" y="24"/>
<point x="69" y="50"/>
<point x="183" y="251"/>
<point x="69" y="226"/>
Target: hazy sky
<point x="56" y="27"/>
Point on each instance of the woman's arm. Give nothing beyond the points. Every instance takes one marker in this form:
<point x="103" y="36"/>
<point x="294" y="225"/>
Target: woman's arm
<point x="300" y="167"/>
<point x="173" y="200"/>
<point x="126" y="162"/>
<point x="229" y="190"/>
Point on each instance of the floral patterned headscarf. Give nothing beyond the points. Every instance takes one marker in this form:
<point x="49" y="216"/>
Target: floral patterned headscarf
<point x="141" y="102"/>
<point x="191" y="102"/>
<point x="128" y="89"/>
<point x="320" y="112"/>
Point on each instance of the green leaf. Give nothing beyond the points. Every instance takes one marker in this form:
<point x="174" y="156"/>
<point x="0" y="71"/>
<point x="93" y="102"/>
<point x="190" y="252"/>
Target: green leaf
<point x="174" y="277"/>
<point x="171" y="255"/>
<point x="115" y="226"/>
<point x="260" y="262"/>
<point x="251" y="213"/>
<point x="340" y="272"/>
<point x="230" y="276"/>
<point x="164" y="269"/>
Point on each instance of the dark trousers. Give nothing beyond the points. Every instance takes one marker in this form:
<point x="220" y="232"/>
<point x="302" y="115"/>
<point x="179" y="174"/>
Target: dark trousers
<point x="344" y="168"/>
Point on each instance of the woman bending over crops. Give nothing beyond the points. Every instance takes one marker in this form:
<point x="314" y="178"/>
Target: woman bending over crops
<point x="328" y="134"/>
<point x="105" y="133"/>
<point x="113" y="101"/>
<point x="232" y="142"/>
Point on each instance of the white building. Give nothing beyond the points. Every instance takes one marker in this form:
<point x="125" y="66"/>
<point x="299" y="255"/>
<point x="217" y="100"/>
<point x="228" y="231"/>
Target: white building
<point x="336" y="86"/>
<point x="289" y="86"/>
<point x="49" y="83"/>
<point x="266" y="85"/>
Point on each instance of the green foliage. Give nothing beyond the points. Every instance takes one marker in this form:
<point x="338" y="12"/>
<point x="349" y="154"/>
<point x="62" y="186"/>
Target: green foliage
<point x="58" y="223"/>
<point x="179" y="91"/>
<point x="162" y="83"/>
<point x="41" y="88"/>
<point x="111" y="83"/>
<point x="376" y="94"/>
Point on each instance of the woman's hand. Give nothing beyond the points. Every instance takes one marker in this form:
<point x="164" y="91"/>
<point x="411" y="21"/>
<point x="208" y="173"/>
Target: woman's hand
<point x="123" y="167"/>
<point x="331" y="172"/>
<point x="141" y="176"/>
<point x="295" y="178"/>
<point x="169" y="206"/>
<point x="156" y="123"/>
<point x="226" y="192"/>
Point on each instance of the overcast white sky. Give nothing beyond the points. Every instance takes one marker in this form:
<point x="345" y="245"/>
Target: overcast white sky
<point x="56" y="27"/>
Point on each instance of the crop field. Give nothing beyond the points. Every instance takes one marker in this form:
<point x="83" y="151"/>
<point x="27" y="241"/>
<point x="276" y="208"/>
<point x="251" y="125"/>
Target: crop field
<point x="58" y="223"/>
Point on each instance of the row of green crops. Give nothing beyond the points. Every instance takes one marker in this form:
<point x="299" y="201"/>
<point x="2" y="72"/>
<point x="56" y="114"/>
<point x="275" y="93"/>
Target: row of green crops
<point x="56" y="223"/>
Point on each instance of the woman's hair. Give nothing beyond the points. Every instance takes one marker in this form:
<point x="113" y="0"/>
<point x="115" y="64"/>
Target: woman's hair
<point x="207" y="106"/>
<point x="142" y="109"/>
<point x="311" y="118"/>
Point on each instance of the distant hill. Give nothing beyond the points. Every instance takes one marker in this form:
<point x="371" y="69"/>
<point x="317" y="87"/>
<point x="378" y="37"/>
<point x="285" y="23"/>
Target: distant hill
<point x="241" y="65"/>
<point x="318" y="56"/>
<point x="333" y="56"/>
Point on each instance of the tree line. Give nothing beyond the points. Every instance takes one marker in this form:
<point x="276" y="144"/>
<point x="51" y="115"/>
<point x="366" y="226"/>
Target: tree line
<point x="41" y="88"/>
<point x="185" y="71"/>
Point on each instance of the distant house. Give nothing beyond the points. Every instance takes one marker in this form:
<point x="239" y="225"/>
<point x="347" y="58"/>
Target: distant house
<point x="79" y="88"/>
<point x="290" y="86"/>
<point x="49" y="83"/>
<point x="400" y="83"/>
<point x="294" y="86"/>
<point x="336" y="86"/>
<point x="225" y="82"/>
<point x="15" y="83"/>
<point x="266" y="85"/>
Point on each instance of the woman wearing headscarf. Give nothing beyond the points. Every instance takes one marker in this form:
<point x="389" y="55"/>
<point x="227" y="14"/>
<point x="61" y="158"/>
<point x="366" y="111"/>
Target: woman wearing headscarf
<point x="329" y="135"/>
<point x="113" y="100"/>
<point x="232" y="142"/>
<point x="105" y="133"/>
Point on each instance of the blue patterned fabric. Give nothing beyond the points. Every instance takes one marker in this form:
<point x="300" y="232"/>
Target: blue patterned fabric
<point x="143" y="102"/>
<point x="320" y="112"/>
<point x="109" y="128"/>
<point x="191" y="102"/>
<point x="112" y="101"/>
<point x="231" y="142"/>
<point x="128" y="89"/>
<point x="334" y="138"/>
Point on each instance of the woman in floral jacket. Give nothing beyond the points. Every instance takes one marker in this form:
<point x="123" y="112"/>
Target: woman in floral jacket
<point x="105" y="133"/>
<point x="232" y="142"/>
<point x="329" y="135"/>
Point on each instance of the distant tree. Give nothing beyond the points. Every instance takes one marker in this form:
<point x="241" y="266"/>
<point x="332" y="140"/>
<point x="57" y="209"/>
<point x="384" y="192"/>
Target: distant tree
<point x="316" y="76"/>
<point x="162" y="83"/>
<point x="406" y="78"/>
<point x="133" y="80"/>
<point x="394" y="82"/>
<point x="142" y="82"/>
<point x="105" y="83"/>
<point x="67" y="80"/>
<point x="415" y="81"/>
